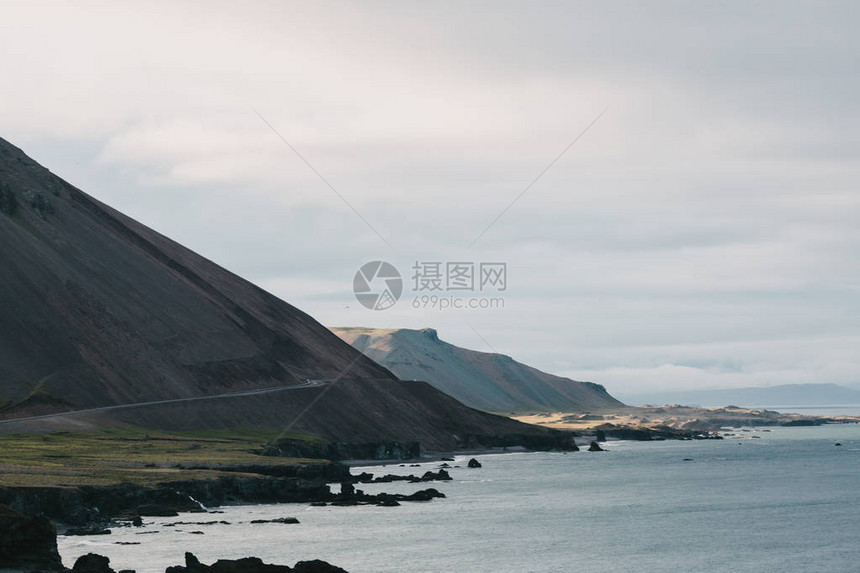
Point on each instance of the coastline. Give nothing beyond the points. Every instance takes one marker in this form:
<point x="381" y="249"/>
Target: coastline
<point x="582" y="486"/>
<point x="668" y="421"/>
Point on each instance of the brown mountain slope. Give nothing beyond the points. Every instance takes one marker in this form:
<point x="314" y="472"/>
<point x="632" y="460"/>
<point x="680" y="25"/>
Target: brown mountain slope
<point x="491" y="382"/>
<point x="97" y="309"/>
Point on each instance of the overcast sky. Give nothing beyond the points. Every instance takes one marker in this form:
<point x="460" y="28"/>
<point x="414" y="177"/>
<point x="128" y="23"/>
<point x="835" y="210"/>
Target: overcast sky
<point x="702" y="233"/>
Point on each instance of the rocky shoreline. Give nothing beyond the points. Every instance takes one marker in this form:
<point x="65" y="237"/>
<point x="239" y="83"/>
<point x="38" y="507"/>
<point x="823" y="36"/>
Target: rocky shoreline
<point x="94" y="508"/>
<point x="28" y="544"/>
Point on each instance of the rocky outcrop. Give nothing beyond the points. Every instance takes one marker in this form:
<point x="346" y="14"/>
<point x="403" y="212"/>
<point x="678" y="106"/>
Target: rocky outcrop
<point x="251" y="565"/>
<point x="641" y="433"/>
<point x="92" y="506"/>
<point x="595" y="447"/>
<point x="316" y="566"/>
<point x="441" y="475"/>
<point x="351" y="496"/>
<point x="27" y="543"/>
<point x="473" y="463"/>
<point x="92" y="563"/>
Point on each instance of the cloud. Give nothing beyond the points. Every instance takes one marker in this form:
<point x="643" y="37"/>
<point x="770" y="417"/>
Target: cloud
<point x="714" y="201"/>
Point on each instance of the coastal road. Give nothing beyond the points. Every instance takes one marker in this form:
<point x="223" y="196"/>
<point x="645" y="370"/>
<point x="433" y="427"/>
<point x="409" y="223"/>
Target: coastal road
<point x="306" y="384"/>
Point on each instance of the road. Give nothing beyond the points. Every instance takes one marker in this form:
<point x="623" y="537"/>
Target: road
<point x="305" y="384"/>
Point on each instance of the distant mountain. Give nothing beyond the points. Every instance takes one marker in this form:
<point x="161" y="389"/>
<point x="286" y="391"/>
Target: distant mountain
<point x="490" y="382"/>
<point x="98" y="310"/>
<point x="784" y="395"/>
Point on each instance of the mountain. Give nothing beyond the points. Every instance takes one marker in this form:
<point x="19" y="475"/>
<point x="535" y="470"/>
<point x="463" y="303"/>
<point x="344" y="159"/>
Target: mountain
<point x="784" y="395"/>
<point x="490" y="382"/>
<point x="98" y="310"/>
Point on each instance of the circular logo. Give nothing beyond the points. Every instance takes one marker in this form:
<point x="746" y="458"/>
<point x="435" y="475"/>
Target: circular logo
<point x="377" y="285"/>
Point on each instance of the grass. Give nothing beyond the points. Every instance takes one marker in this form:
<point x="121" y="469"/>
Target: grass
<point x="130" y="455"/>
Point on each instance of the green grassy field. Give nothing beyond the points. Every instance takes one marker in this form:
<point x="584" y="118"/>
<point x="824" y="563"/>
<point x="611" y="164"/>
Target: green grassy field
<point x="130" y="455"/>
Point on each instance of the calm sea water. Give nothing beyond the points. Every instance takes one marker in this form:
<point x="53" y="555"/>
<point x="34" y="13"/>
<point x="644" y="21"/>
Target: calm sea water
<point x="789" y="501"/>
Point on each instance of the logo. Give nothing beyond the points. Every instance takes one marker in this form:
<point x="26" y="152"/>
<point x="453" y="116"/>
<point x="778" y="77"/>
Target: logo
<point x="377" y="285"/>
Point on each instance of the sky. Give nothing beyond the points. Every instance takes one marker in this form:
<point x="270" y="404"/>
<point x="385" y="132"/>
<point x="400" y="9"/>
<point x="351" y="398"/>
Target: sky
<point x="672" y="186"/>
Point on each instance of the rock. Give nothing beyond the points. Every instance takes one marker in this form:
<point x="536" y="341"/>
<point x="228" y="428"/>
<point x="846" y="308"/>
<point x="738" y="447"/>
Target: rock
<point x="386" y="500"/>
<point x="92" y="563"/>
<point x="316" y="566"/>
<point x="192" y="565"/>
<point x="27" y="543"/>
<point x="424" y="495"/>
<point x="473" y="463"/>
<point x="440" y="475"/>
<point x="595" y="447"/>
<point x="601" y="436"/>
<point x="246" y="565"/>
<point x="278" y="520"/>
<point x="252" y="565"/>
<point x="837" y="444"/>
<point x="347" y="489"/>
<point x="137" y="521"/>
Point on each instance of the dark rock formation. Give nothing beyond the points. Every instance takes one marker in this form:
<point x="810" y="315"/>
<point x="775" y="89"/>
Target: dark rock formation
<point x="440" y="475"/>
<point x="655" y="433"/>
<point x="423" y="495"/>
<point x="365" y="477"/>
<point x="27" y="543"/>
<point x="473" y="463"/>
<point x="386" y="499"/>
<point x="251" y="565"/>
<point x="316" y="566"/>
<point x="285" y="520"/>
<point x="92" y="563"/>
<point x="78" y="506"/>
<point x="601" y="436"/>
<point x="595" y="447"/>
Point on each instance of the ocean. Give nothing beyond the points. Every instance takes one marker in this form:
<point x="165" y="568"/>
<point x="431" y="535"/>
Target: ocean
<point x="788" y="500"/>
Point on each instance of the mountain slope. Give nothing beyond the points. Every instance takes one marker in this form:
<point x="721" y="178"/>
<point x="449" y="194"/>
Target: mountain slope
<point x="490" y="382"/>
<point x="783" y="395"/>
<point x="97" y="309"/>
